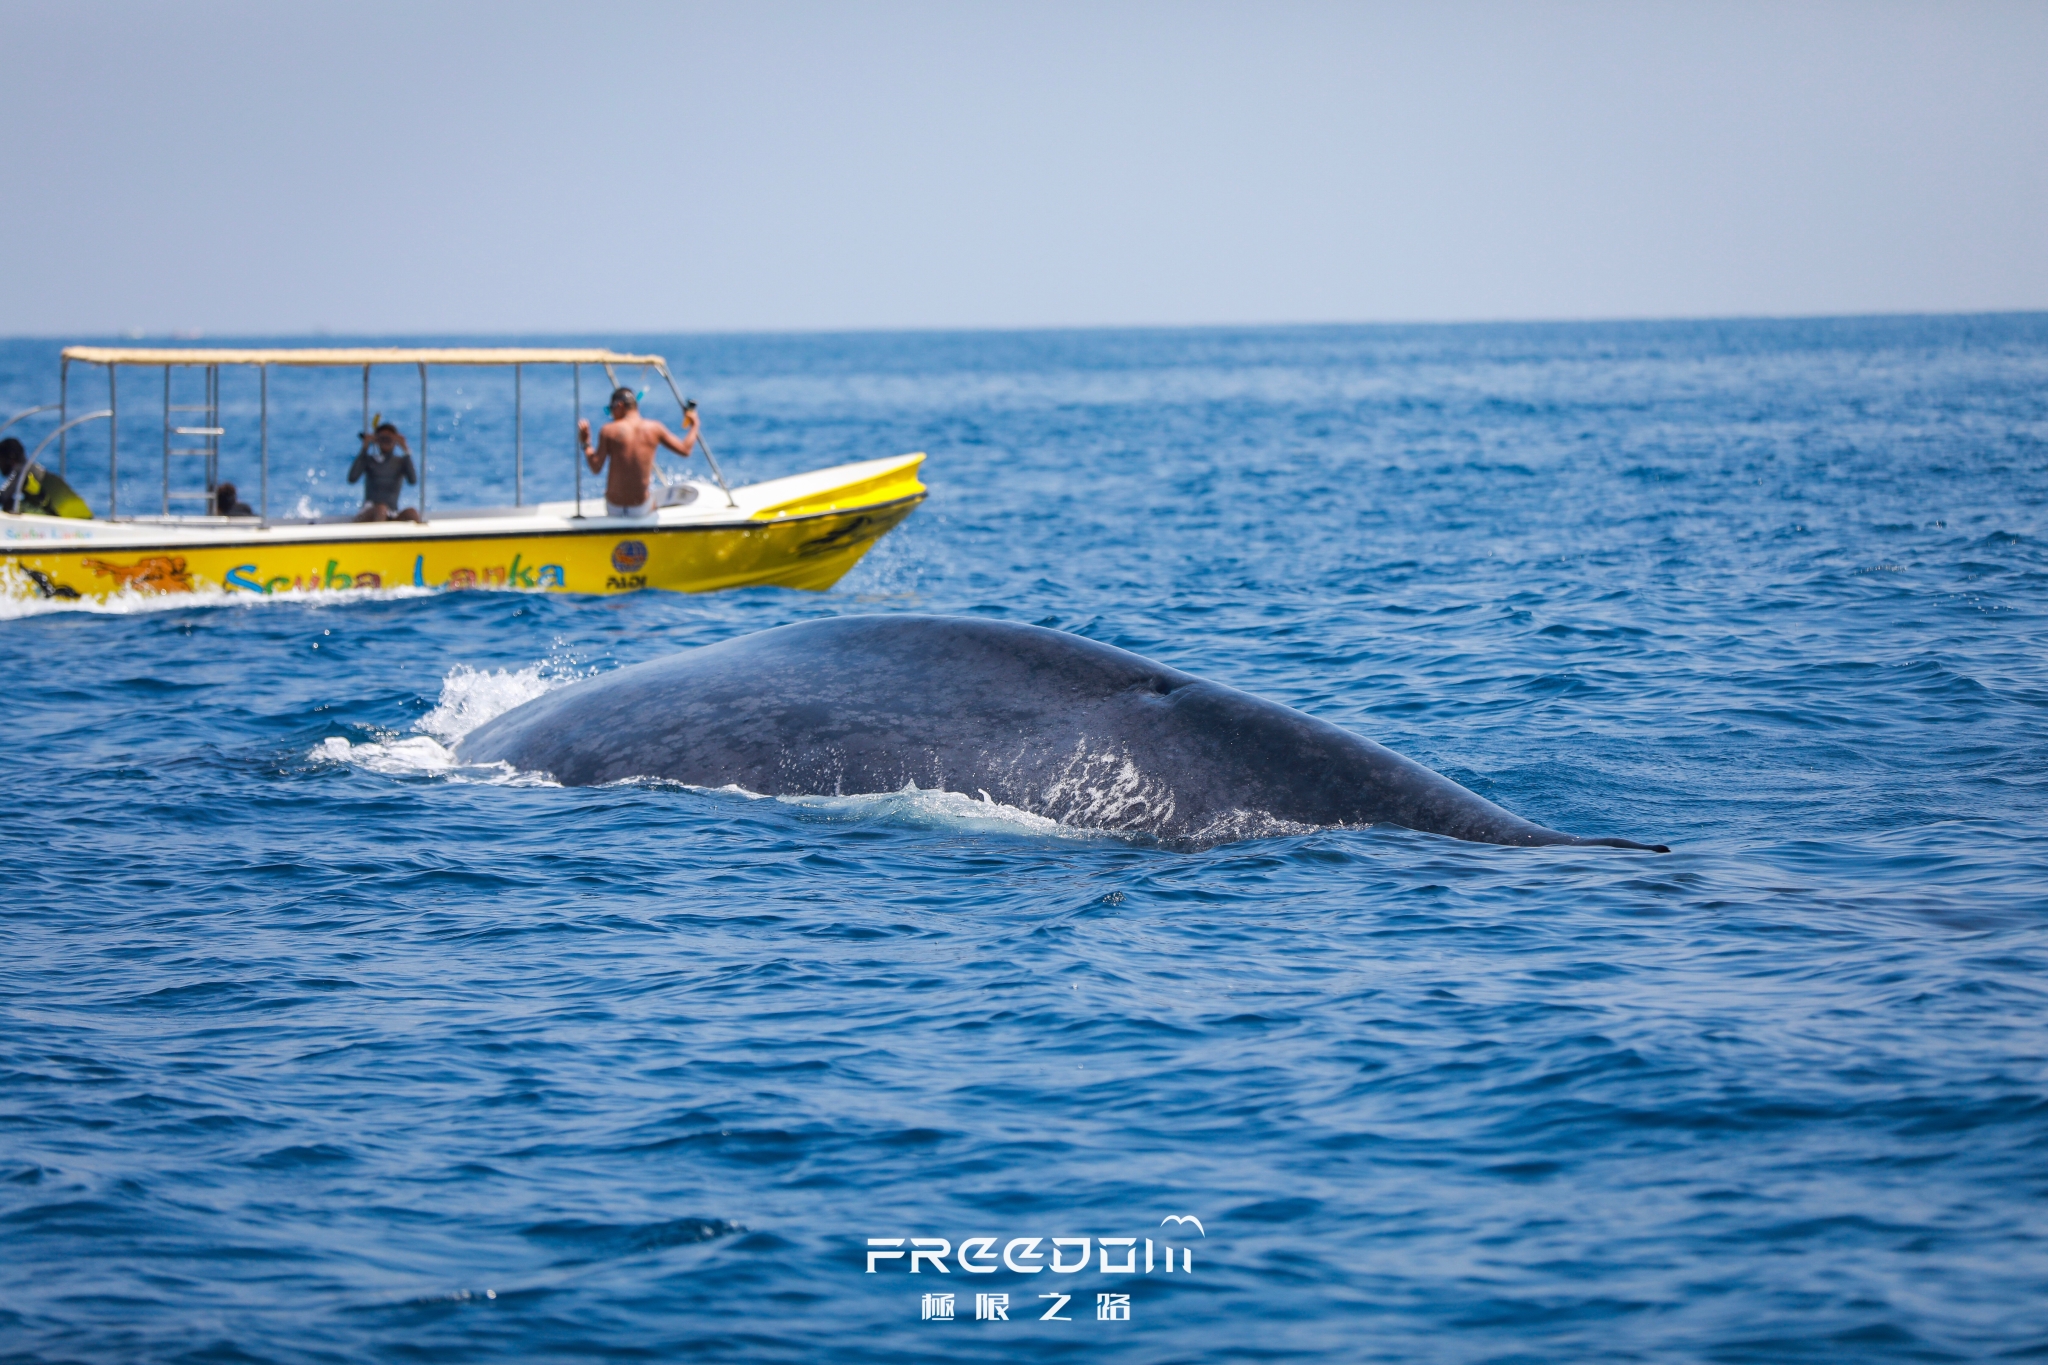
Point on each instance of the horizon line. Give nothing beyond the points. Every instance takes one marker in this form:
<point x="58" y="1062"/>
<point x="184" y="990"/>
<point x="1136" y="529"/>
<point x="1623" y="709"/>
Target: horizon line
<point x="200" y="334"/>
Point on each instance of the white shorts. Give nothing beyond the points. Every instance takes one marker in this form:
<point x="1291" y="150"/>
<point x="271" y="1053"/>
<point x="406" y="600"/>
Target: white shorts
<point x="617" y="509"/>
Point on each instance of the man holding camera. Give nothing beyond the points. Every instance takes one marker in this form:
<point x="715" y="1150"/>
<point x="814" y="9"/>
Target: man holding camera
<point x="384" y="475"/>
<point x="631" y="442"/>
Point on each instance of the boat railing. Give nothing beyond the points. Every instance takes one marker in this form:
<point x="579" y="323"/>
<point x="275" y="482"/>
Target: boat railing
<point x="209" y="429"/>
<point x="186" y="519"/>
<point x="30" y="412"/>
<point x="529" y="509"/>
<point x="709" y="459"/>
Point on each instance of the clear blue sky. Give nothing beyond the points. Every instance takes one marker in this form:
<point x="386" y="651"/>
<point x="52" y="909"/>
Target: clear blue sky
<point x="505" y="167"/>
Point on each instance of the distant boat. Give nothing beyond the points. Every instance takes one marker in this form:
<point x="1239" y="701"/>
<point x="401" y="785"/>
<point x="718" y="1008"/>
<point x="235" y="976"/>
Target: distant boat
<point x="804" y="531"/>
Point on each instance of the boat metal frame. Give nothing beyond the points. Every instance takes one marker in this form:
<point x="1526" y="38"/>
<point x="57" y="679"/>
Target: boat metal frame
<point x="211" y="359"/>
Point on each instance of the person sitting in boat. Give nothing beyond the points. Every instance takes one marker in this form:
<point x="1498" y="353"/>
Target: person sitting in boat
<point x="30" y="489"/>
<point x="384" y="476"/>
<point x="228" y="503"/>
<point x="631" y="443"/>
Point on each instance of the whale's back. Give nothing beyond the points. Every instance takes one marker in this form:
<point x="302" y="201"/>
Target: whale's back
<point x="1049" y="722"/>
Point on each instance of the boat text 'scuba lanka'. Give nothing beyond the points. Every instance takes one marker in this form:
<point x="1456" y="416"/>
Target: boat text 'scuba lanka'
<point x="804" y="531"/>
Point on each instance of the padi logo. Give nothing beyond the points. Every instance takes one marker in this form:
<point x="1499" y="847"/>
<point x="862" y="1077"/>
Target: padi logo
<point x="629" y="556"/>
<point x="1168" y="1252"/>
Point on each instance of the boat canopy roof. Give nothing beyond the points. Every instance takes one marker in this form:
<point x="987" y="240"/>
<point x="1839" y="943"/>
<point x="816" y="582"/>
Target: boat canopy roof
<point x="357" y="355"/>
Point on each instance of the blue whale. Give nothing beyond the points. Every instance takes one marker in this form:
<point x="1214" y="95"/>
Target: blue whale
<point x="1084" y="733"/>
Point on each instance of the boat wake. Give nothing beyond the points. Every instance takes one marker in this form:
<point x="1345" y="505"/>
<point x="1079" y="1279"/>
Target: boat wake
<point x="20" y="597"/>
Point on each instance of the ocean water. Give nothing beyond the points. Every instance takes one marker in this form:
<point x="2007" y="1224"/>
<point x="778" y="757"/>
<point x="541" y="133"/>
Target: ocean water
<point x="316" y="1045"/>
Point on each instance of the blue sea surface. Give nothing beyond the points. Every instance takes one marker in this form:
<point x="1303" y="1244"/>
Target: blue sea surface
<point x="317" y="1046"/>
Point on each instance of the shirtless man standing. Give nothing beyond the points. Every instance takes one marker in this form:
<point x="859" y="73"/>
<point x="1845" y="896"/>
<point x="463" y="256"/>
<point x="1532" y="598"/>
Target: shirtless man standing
<point x="631" y="442"/>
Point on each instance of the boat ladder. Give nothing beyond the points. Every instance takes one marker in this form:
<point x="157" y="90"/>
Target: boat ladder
<point x="205" y="431"/>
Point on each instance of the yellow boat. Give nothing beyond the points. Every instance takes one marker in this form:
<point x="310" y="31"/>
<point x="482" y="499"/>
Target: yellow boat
<point x="804" y="531"/>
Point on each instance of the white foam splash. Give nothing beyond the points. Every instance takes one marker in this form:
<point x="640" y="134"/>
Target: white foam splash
<point x="978" y="814"/>
<point x="469" y="697"/>
<point x="417" y="756"/>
